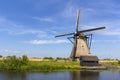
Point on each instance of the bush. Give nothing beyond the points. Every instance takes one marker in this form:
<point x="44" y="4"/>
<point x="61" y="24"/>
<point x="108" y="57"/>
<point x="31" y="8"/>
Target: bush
<point x="65" y="59"/>
<point x="14" y="63"/>
<point x="119" y="62"/>
<point x="49" y="58"/>
<point x="24" y="60"/>
<point x="1" y="56"/>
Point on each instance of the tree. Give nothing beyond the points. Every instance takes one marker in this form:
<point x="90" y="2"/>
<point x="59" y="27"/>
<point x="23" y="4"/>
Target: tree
<point x="50" y="58"/>
<point x="15" y="63"/>
<point x="25" y="60"/>
<point x="1" y="56"/>
<point x="119" y="62"/>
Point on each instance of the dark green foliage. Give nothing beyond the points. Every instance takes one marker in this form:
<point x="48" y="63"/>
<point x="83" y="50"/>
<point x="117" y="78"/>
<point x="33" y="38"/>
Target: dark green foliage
<point x="14" y="63"/>
<point x="59" y="58"/>
<point x="1" y="56"/>
<point x="48" y="58"/>
<point x="24" y="60"/>
<point x="119" y="62"/>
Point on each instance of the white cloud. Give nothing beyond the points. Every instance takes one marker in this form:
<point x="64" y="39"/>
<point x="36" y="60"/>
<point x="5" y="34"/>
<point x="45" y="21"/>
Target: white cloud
<point x="114" y="33"/>
<point x="112" y="27"/>
<point x="43" y="19"/>
<point x="47" y="41"/>
<point x="10" y="51"/>
<point x="37" y="33"/>
<point x="109" y="41"/>
<point x="70" y="10"/>
<point x="13" y="28"/>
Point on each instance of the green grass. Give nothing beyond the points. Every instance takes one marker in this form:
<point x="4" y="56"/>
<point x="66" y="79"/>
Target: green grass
<point x="42" y="66"/>
<point x="115" y="63"/>
<point x="23" y="63"/>
<point x="52" y="65"/>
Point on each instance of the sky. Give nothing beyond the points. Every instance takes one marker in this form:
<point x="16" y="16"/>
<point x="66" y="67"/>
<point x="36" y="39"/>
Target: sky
<point x="28" y="27"/>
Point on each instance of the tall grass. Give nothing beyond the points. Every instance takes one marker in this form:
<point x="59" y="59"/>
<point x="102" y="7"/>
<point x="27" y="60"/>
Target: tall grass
<point x="14" y="63"/>
<point x="22" y="63"/>
<point x="52" y="65"/>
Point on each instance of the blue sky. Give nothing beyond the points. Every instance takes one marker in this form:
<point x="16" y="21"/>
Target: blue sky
<point x="29" y="26"/>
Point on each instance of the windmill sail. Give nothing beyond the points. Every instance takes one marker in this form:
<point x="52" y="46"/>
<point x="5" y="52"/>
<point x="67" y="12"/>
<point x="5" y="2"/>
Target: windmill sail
<point x="93" y="29"/>
<point x="77" y="32"/>
<point x="77" y="20"/>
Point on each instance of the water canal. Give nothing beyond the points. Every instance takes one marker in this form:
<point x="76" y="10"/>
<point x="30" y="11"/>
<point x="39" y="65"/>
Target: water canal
<point x="61" y="75"/>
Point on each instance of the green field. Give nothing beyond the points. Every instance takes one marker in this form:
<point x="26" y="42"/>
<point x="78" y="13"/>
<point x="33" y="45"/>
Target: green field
<point x="53" y="65"/>
<point x="41" y="66"/>
<point x="24" y="63"/>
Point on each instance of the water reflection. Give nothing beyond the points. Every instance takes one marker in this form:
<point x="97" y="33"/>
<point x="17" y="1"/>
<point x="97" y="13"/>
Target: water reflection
<point x="12" y="75"/>
<point x="63" y="75"/>
<point x="48" y="76"/>
<point x="84" y="75"/>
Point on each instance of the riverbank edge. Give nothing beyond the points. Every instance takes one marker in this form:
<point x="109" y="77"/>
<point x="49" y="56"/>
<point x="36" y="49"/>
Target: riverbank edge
<point x="56" y="66"/>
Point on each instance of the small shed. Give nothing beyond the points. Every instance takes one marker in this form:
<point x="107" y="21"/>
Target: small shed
<point x="89" y="61"/>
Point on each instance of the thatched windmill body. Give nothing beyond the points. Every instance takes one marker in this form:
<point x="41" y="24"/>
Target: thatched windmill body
<point x="81" y="42"/>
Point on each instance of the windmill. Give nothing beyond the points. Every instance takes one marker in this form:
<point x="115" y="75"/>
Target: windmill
<point x="81" y="41"/>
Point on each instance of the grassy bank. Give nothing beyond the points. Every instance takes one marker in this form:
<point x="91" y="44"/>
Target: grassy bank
<point x="23" y="63"/>
<point x="47" y="64"/>
<point x="42" y="66"/>
<point x="111" y="62"/>
<point x="52" y="65"/>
